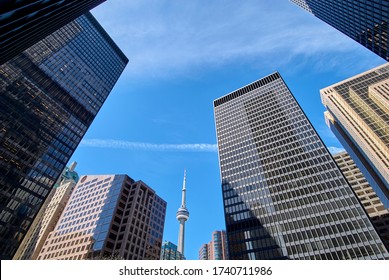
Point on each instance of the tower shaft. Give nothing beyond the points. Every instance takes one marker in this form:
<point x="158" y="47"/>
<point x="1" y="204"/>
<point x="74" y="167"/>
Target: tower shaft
<point x="181" y="237"/>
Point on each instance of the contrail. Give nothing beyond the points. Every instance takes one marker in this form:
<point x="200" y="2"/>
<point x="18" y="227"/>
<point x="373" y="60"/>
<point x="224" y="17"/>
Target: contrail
<point x="120" y="144"/>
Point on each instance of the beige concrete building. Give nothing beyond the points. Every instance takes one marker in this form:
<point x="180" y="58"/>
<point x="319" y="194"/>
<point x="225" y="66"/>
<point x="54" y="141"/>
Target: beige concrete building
<point x="108" y="216"/>
<point x="358" y="114"/>
<point x="369" y="199"/>
<point x="48" y="215"/>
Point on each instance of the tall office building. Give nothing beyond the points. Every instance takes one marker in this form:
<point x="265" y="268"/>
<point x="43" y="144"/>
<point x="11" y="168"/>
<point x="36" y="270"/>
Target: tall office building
<point x="48" y="215"/>
<point x="364" y="21"/>
<point x="49" y="96"/>
<point x="170" y="252"/>
<point x="216" y="249"/>
<point x="377" y="212"/>
<point x="182" y="216"/>
<point x="24" y="23"/>
<point x="284" y="196"/>
<point x="108" y="215"/>
<point x="358" y="114"/>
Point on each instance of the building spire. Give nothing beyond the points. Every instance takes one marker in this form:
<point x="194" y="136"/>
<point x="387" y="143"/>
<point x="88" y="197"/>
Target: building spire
<point x="182" y="216"/>
<point x="183" y="201"/>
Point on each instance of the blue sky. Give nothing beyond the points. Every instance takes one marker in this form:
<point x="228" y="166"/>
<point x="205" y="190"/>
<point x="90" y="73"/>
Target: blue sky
<point x="158" y="120"/>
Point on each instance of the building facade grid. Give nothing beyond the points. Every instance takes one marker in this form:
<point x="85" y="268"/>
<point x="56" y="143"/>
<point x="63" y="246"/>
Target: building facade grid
<point x="359" y="109"/>
<point x="377" y="212"/>
<point x="109" y="216"/>
<point x="284" y="196"/>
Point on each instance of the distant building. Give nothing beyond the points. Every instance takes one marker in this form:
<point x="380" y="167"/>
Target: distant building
<point x="108" y="216"/>
<point x="24" y="23"/>
<point x="358" y="115"/>
<point x="284" y="195"/>
<point x="363" y="21"/>
<point x="51" y="92"/>
<point x="68" y="174"/>
<point x="48" y="216"/>
<point x="169" y="252"/>
<point x="216" y="249"/>
<point x="378" y="214"/>
<point x="203" y="252"/>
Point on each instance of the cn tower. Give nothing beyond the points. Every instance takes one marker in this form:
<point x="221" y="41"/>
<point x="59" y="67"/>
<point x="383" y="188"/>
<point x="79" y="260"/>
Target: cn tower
<point x="182" y="216"/>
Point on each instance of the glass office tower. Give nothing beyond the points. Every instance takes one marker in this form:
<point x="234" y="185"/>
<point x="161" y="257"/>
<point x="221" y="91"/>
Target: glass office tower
<point x="365" y="21"/>
<point x="284" y="196"/>
<point x="358" y="114"/>
<point x="49" y="96"/>
<point x="24" y="23"/>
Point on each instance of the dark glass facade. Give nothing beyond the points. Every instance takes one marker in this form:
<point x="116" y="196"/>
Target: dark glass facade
<point x="365" y="21"/>
<point x="24" y="23"/>
<point x="284" y="196"/>
<point x="49" y="97"/>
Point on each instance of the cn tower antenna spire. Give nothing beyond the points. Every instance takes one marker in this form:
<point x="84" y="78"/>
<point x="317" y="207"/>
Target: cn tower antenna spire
<point x="183" y="201"/>
<point x="182" y="216"/>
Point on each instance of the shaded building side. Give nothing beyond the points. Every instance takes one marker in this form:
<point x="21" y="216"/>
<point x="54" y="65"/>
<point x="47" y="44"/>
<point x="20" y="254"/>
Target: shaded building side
<point x="377" y="212"/>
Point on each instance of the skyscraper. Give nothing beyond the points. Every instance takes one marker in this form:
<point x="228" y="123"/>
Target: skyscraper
<point x="284" y="196"/>
<point x="364" y="21"/>
<point x="24" y="23"/>
<point x="182" y="216"/>
<point x="108" y="215"/>
<point x="216" y="249"/>
<point x="49" y="96"/>
<point x="48" y="216"/>
<point x="358" y="114"/>
<point x="169" y="252"/>
<point x="377" y="212"/>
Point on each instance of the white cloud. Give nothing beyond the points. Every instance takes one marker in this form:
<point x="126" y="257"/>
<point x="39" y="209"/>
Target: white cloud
<point x="127" y="145"/>
<point x="335" y="150"/>
<point x="167" y="37"/>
